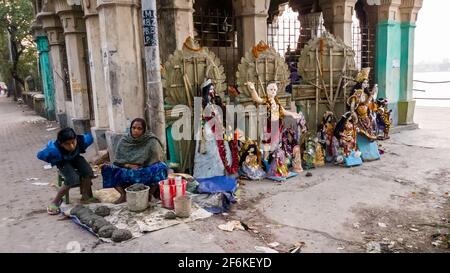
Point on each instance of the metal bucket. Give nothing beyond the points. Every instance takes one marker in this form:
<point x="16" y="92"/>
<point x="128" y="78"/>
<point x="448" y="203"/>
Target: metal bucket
<point x="137" y="201"/>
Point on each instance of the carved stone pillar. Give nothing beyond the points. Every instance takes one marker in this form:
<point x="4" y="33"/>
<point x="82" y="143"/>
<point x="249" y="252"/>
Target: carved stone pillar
<point x="175" y="23"/>
<point x="99" y="93"/>
<point x="337" y="16"/>
<point x="252" y="22"/>
<point x="74" y="35"/>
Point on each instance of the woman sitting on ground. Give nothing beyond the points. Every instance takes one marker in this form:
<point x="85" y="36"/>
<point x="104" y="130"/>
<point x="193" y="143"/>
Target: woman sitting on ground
<point x="139" y="158"/>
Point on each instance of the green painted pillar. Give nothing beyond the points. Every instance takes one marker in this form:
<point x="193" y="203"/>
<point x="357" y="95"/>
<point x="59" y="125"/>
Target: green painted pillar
<point x="388" y="63"/>
<point x="47" y="76"/>
<point x="406" y="104"/>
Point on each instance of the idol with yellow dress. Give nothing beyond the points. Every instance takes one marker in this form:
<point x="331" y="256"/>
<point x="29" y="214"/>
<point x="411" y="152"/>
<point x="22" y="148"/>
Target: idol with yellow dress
<point x="364" y="108"/>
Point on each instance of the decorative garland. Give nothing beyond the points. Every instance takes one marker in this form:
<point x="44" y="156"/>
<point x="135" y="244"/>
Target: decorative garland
<point x="261" y="47"/>
<point x="233" y="169"/>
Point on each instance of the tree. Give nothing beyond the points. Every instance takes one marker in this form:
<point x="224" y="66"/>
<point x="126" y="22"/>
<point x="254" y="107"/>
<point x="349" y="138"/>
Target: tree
<point x="16" y="19"/>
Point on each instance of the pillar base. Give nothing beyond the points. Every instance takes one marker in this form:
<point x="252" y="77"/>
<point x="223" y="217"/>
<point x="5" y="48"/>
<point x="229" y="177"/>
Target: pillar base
<point x="51" y="115"/>
<point x="62" y="119"/>
<point x="406" y="112"/>
<point x="81" y="126"/>
<point x="112" y="139"/>
<point x="99" y="138"/>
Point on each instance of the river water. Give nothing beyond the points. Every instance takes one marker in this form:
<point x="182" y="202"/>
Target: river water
<point x="434" y="93"/>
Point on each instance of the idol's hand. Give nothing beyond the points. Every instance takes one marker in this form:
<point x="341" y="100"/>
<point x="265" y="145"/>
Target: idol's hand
<point x="250" y="85"/>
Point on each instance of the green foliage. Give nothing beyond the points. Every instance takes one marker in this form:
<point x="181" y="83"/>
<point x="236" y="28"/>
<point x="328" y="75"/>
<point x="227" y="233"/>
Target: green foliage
<point x="16" y="19"/>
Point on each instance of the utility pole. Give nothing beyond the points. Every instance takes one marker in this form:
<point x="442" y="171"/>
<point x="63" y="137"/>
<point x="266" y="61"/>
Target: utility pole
<point x="12" y="86"/>
<point x="154" y="98"/>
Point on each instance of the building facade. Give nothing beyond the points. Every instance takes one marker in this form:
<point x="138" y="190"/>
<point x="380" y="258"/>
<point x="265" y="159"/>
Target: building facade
<point x="93" y="50"/>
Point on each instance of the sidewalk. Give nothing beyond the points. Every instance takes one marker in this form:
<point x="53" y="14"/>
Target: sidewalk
<point x="335" y="210"/>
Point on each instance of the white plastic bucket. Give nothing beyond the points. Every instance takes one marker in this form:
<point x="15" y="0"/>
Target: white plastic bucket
<point x="137" y="201"/>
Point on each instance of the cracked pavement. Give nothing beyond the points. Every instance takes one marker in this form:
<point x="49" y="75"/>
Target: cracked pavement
<point x="335" y="210"/>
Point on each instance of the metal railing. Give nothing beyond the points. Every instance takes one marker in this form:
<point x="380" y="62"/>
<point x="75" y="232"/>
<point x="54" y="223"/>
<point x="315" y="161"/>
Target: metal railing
<point x="216" y="30"/>
<point x="430" y="82"/>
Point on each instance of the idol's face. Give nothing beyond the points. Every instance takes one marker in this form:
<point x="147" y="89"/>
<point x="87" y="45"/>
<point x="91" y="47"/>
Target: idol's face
<point x="272" y="90"/>
<point x="212" y="91"/>
<point x="365" y="84"/>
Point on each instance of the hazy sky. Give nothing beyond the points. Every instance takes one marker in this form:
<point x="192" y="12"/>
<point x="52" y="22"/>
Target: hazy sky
<point x="433" y="32"/>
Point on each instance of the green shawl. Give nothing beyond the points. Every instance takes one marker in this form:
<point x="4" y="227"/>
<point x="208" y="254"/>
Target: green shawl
<point x="145" y="150"/>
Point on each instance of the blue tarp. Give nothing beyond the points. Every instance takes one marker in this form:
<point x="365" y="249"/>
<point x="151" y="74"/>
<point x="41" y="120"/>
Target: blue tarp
<point x="217" y="184"/>
<point x="216" y="187"/>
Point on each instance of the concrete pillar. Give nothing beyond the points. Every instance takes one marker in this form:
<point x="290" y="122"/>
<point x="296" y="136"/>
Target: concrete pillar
<point x="337" y="15"/>
<point x="408" y="15"/>
<point x="55" y="34"/>
<point x="99" y="93"/>
<point x="388" y="53"/>
<point x="175" y="23"/>
<point x="74" y="35"/>
<point x="252" y="22"/>
<point x="46" y="76"/>
<point x="122" y="46"/>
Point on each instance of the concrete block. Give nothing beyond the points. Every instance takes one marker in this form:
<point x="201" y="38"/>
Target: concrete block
<point x="62" y="119"/>
<point x="99" y="138"/>
<point x="81" y="126"/>
<point x="112" y="139"/>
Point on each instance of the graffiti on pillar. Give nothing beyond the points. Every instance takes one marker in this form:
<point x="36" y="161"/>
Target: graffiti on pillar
<point x="77" y="87"/>
<point x="116" y="100"/>
<point x="149" y="26"/>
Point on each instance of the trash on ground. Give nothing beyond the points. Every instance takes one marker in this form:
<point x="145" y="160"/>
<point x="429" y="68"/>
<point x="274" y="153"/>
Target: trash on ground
<point x="373" y="247"/>
<point x="297" y="248"/>
<point x="246" y="227"/>
<point x="32" y="179"/>
<point x="382" y="225"/>
<point x="52" y="129"/>
<point x="40" y="184"/>
<point x="231" y="225"/>
<point x="263" y="249"/>
<point x="391" y="245"/>
<point x="436" y="243"/>
<point x="47" y="167"/>
<point x="274" y="244"/>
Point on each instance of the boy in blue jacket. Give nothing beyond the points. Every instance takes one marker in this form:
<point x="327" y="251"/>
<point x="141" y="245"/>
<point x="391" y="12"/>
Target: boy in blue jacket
<point x="64" y="153"/>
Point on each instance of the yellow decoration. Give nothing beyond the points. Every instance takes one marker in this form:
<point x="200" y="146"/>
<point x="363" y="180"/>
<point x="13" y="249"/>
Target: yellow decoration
<point x="319" y="160"/>
<point x="363" y="75"/>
